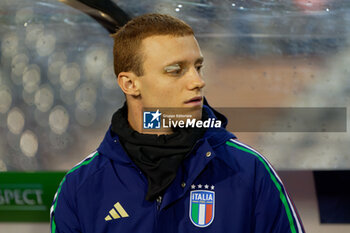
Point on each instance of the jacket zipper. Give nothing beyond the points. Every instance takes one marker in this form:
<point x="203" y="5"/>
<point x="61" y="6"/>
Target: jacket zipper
<point x="159" y="202"/>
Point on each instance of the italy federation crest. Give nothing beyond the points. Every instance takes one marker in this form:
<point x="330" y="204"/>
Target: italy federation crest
<point x="202" y="206"/>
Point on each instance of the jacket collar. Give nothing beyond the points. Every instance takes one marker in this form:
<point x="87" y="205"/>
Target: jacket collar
<point x="216" y="136"/>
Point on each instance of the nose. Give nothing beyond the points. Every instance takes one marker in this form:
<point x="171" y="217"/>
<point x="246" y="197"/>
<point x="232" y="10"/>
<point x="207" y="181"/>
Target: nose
<point x="195" y="80"/>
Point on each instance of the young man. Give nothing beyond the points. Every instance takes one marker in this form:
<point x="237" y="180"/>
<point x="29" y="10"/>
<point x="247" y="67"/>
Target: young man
<point x="182" y="179"/>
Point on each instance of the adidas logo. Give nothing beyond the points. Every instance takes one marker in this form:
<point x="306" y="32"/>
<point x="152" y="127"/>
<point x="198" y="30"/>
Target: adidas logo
<point x="116" y="212"/>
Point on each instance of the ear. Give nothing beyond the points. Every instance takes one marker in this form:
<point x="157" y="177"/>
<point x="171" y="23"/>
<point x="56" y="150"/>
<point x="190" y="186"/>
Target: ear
<point x="129" y="83"/>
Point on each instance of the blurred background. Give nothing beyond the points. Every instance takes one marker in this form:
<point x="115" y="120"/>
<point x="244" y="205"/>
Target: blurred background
<point x="58" y="90"/>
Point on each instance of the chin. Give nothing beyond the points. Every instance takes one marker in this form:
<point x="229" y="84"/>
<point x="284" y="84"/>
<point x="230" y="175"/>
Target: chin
<point x="196" y="113"/>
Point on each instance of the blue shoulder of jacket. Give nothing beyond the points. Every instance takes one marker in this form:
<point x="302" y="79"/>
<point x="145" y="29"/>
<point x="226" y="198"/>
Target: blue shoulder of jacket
<point x="237" y="155"/>
<point x="253" y="166"/>
<point x="86" y="168"/>
<point x="242" y="159"/>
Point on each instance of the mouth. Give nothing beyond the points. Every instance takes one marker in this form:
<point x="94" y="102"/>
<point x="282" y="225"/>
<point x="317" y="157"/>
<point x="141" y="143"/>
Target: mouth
<point x="195" y="101"/>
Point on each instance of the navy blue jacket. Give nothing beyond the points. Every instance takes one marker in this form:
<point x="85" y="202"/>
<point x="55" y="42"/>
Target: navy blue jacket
<point x="223" y="186"/>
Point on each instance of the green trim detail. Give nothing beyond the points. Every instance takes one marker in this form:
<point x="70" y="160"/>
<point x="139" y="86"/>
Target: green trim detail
<point x="195" y="207"/>
<point x="273" y="178"/>
<point x="53" y="224"/>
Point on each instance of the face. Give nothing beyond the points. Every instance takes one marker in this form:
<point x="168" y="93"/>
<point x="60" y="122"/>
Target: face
<point x="172" y="74"/>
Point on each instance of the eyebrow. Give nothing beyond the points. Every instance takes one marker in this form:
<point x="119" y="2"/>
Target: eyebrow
<point x="181" y="62"/>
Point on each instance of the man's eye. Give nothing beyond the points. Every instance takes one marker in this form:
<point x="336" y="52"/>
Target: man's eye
<point x="174" y="69"/>
<point x="177" y="71"/>
<point x="199" y="67"/>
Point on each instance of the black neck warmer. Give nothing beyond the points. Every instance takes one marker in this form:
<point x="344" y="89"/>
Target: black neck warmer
<point x="158" y="157"/>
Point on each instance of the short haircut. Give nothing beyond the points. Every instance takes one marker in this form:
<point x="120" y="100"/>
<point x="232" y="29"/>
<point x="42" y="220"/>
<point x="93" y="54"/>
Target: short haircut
<point x="127" y="40"/>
